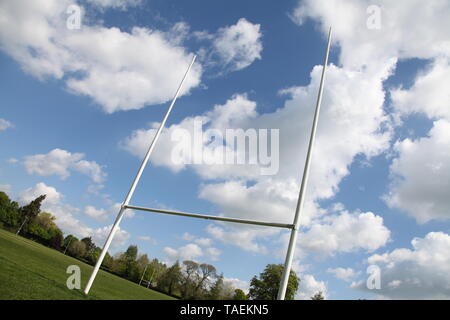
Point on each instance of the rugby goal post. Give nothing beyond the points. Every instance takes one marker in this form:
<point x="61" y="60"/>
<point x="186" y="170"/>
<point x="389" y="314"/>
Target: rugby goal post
<point x="293" y="227"/>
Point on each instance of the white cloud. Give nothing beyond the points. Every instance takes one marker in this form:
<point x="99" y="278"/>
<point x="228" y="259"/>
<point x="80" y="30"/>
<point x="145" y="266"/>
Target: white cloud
<point x="238" y="284"/>
<point x="346" y="274"/>
<point x="309" y="286"/>
<point x="5" y="188"/>
<point x="52" y="196"/>
<point x="5" y="124"/>
<point x="148" y="239"/>
<point x="417" y="273"/>
<point x="429" y="93"/>
<point x="345" y="232"/>
<point x="98" y="214"/>
<point x="121" y="4"/>
<point x="190" y="251"/>
<point x="120" y="238"/>
<point x="204" y="242"/>
<point x="213" y="253"/>
<point x="243" y="237"/>
<point x="238" y="45"/>
<point x="187" y="236"/>
<point x="421" y="175"/>
<point x="116" y="69"/>
<point x="402" y="23"/>
<point x="60" y="162"/>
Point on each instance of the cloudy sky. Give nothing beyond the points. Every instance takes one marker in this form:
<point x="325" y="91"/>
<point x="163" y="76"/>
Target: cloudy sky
<point x="79" y="107"/>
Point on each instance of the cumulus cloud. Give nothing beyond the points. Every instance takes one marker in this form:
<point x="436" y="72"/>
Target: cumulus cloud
<point x="99" y="236"/>
<point x="121" y="4"/>
<point x="147" y="239"/>
<point x="400" y="27"/>
<point x="61" y="162"/>
<point x="238" y="45"/>
<point x="346" y="232"/>
<point x="244" y="237"/>
<point x="428" y="95"/>
<point x="204" y="242"/>
<point x="345" y="274"/>
<point x="421" y="175"/>
<point x="5" y="124"/>
<point x="98" y="214"/>
<point x="190" y="251"/>
<point x="238" y="284"/>
<point x="309" y="286"/>
<point x="417" y="273"/>
<point x="5" y="188"/>
<point x="28" y="195"/>
<point x="116" y="69"/>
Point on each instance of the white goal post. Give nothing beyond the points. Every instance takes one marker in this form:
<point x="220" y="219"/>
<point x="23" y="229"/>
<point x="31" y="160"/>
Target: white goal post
<point x="293" y="227"/>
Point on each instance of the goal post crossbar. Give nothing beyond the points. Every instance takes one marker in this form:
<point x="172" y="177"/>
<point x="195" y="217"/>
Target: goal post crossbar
<point x="211" y="217"/>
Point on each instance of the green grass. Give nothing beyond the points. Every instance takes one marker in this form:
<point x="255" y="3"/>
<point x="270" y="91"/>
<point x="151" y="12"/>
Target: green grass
<point x="29" y="270"/>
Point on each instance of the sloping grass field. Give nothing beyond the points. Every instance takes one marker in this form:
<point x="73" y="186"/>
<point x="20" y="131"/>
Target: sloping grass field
<point x="29" y="271"/>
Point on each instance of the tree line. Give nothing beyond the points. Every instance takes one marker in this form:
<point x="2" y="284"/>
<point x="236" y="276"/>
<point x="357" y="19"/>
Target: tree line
<point x="186" y="280"/>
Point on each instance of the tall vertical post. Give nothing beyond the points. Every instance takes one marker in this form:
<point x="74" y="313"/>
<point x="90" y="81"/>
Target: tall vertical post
<point x="301" y="198"/>
<point x="135" y="182"/>
<point x="143" y="274"/>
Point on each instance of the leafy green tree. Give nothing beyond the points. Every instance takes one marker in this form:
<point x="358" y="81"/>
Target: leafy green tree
<point x="131" y="267"/>
<point x="56" y="241"/>
<point x="77" y="249"/>
<point x="30" y="211"/>
<point x="239" y="295"/>
<point x="170" y="279"/>
<point x="188" y="278"/>
<point x="318" y="296"/>
<point x="90" y="245"/>
<point x="131" y="253"/>
<point x="266" y="287"/>
<point x="156" y="271"/>
<point x="68" y="240"/>
<point x="206" y="272"/>
<point x="44" y="229"/>
<point x="9" y="211"/>
<point x="142" y="262"/>
<point x="119" y="265"/>
<point x="107" y="261"/>
<point x="216" y="290"/>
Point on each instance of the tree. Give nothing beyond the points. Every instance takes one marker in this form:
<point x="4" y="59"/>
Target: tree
<point x="77" y="249"/>
<point x="216" y="290"/>
<point x="189" y="273"/>
<point x="204" y="275"/>
<point x="239" y="295"/>
<point x="90" y="245"/>
<point x="9" y="211"/>
<point x="131" y="271"/>
<point x="170" y="279"/>
<point x="266" y="287"/>
<point x="56" y="241"/>
<point x="318" y="296"/>
<point x="67" y="241"/>
<point x="107" y="261"/>
<point x="44" y="229"/>
<point x="30" y="211"/>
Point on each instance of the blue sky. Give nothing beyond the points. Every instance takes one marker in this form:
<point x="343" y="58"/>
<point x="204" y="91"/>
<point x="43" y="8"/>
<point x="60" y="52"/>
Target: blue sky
<point x="379" y="175"/>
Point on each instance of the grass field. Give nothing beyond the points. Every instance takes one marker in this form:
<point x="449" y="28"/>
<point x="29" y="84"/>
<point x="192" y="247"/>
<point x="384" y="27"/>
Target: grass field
<point x="29" y="270"/>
